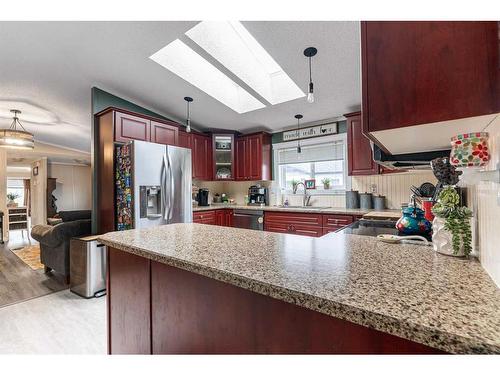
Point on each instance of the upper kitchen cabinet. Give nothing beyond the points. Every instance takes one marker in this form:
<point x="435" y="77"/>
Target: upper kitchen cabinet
<point x="201" y="148"/>
<point x="184" y="139"/>
<point x="423" y="82"/>
<point x="164" y="133"/>
<point x="253" y="157"/>
<point x="360" y="155"/>
<point x="223" y="156"/>
<point x="129" y="127"/>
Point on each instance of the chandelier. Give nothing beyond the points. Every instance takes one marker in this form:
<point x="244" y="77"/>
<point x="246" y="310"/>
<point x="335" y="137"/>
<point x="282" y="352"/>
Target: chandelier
<point x="16" y="136"/>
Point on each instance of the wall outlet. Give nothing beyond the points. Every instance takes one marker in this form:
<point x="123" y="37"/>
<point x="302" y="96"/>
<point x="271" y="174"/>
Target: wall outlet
<point x="373" y="188"/>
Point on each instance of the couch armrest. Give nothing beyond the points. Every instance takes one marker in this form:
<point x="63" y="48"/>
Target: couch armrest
<point x="45" y="235"/>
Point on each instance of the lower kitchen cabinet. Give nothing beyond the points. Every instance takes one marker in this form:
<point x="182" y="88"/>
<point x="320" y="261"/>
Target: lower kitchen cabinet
<point x="205" y="217"/>
<point x="305" y="224"/>
<point x="224" y="217"/>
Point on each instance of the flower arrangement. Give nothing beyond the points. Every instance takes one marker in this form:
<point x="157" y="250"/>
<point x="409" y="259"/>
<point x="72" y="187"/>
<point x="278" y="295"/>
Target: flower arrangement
<point x="456" y="220"/>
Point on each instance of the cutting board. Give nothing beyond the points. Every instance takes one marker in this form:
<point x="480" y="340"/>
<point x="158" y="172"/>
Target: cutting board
<point x="383" y="215"/>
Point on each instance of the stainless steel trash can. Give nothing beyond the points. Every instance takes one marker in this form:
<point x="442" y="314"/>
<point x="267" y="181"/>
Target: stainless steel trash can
<point x="87" y="267"/>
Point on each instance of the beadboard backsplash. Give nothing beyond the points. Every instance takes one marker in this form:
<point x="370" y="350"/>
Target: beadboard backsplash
<point x="394" y="186"/>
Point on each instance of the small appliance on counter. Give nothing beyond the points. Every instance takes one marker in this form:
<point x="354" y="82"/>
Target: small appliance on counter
<point x="258" y="196"/>
<point x="202" y="197"/>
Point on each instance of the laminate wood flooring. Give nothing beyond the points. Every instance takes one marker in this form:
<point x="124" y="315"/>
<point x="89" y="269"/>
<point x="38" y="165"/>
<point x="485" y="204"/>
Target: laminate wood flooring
<point x="18" y="282"/>
<point x="59" y="323"/>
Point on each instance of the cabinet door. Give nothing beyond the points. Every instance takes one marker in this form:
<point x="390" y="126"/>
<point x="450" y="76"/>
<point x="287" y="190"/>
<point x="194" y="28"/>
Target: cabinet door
<point x="205" y="217"/>
<point x="164" y="133"/>
<point x="336" y="222"/>
<point x="424" y="72"/>
<point x="184" y="139"/>
<point x="128" y="128"/>
<point x="241" y="159"/>
<point x="202" y="157"/>
<point x="360" y="155"/>
<point x="229" y="218"/>
<point x="220" y="218"/>
<point x="253" y="157"/>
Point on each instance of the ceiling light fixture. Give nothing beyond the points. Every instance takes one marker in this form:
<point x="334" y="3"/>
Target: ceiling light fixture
<point x="193" y="68"/>
<point x="231" y="44"/>
<point x="14" y="138"/>
<point x="188" y="100"/>
<point x="310" y="52"/>
<point x="298" y="117"/>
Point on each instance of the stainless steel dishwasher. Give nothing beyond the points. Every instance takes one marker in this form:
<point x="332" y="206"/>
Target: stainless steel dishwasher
<point x="248" y="219"/>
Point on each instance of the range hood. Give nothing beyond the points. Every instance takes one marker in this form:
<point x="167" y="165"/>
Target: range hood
<point x="417" y="160"/>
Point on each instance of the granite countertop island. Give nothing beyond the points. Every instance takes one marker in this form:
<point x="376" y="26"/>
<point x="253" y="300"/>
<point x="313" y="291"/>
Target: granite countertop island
<point x="407" y="291"/>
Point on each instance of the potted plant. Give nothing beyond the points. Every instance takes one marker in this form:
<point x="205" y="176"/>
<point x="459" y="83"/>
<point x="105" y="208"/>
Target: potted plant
<point x="11" y="199"/>
<point x="294" y="185"/>
<point x="326" y="183"/>
<point x="451" y="228"/>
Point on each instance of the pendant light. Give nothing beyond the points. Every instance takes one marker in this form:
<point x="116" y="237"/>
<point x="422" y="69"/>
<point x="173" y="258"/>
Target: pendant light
<point x="298" y="117"/>
<point x="310" y="52"/>
<point x="188" y="100"/>
<point x="14" y="137"/>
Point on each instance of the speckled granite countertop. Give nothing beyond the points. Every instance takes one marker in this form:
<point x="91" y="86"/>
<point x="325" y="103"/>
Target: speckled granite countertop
<point x="329" y="210"/>
<point x="405" y="290"/>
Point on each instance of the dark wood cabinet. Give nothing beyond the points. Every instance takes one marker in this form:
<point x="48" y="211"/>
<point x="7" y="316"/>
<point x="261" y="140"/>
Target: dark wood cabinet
<point x="201" y="156"/>
<point x="360" y="155"/>
<point x="129" y="127"/>
<point x="164" y="133"/>
<point x="205" y="217"/>
<point x="184" y="139"/>
<point x="224" y="217"/>
<point x="305" y="224"/>
<point x="425" y="72"/>
<point x="253" y="157"/>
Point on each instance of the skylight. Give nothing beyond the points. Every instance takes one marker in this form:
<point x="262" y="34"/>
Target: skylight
<point x="190" y="66"/>
<point x="233" y="46"/>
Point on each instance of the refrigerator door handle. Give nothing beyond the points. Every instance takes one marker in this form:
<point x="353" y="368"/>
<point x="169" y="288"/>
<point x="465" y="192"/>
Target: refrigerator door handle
<point x="164" y="182"/>
<point x="172" y="189"/>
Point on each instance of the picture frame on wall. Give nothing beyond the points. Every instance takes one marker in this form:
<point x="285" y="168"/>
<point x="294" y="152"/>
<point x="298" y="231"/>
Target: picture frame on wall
<point x="35" y="171"/>
<point x="310" y="184"/>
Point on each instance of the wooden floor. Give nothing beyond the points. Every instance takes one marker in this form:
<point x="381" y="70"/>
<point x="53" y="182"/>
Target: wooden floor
<point x="18" y="282"/>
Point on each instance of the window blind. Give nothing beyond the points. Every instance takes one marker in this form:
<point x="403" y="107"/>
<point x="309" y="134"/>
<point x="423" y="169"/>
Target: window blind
<point x="319" y="152"/>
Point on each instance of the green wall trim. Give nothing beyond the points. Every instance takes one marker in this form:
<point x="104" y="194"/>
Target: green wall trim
<point x="102" y="100"/>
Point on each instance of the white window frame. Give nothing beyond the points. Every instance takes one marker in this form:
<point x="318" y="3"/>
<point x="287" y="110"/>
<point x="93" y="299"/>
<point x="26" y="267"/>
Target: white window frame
<point x="313" y="142"/>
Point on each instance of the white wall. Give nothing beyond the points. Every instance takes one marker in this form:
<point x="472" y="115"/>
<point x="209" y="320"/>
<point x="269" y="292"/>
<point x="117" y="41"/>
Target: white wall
<point x="73" y="186"/>
<point x="38" y="187"/>
<point x="3" y="191"/>
<point x="488" y="210"/>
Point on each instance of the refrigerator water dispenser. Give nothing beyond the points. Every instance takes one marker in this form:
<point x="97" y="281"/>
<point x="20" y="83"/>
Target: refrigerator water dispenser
<point x="150" y="198"/>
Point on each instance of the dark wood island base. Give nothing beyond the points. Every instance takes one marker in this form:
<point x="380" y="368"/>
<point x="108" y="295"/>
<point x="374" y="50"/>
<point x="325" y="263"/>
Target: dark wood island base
<point x="158" y="309"/>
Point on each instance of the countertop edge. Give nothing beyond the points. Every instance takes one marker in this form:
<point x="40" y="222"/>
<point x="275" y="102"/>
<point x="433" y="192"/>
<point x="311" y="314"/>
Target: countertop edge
<point x="424" y="335"/>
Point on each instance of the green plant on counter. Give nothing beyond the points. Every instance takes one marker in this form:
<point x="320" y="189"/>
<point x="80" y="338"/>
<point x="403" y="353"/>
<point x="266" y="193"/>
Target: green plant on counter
<point x="326" y="182"/>
<point x="457" y="219"/>
<point x="12" y="196"/>
<point x="294" y="184"/>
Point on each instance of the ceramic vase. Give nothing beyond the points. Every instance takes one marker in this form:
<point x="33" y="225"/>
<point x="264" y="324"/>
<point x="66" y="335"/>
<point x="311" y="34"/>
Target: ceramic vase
<point x="442" y="239"/>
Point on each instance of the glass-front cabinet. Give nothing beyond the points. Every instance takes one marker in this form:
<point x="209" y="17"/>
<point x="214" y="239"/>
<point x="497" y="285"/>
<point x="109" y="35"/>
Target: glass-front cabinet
<point x="223" y="151"/>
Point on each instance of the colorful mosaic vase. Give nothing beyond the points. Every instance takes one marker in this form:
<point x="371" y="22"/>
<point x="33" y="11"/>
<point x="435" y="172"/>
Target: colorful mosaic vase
<point x="470" y="150"/>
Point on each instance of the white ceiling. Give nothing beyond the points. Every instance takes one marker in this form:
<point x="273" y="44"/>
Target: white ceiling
<point x="48" y="68"/>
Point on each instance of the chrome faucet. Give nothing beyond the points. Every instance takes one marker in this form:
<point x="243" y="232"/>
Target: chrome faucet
<point x="306" y="199"/>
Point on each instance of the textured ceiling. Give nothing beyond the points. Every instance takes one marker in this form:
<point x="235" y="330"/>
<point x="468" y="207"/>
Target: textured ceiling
<point x="48" y="68"/>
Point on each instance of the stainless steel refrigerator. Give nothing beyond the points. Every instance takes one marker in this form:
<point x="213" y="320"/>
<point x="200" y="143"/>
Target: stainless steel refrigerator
<point x="153" y="185"/>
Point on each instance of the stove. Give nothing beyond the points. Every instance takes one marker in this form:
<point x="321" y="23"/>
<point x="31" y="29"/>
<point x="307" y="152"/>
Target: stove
<point x="367" y="227"/>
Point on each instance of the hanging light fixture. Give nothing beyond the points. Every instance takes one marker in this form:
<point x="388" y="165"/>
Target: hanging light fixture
<point x="310" y="52"/>
<point x="298" y="117"/>
<point x="188" y="100"/>
<point x="14" y="137"/>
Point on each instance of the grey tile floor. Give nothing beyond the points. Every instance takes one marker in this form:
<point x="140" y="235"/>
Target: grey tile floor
<point x="59" y="323"/>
